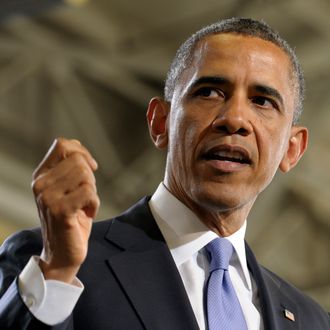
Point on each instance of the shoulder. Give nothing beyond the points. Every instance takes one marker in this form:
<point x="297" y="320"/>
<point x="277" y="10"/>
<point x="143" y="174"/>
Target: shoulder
<point x="25" y="242"/>
<point x="15" y="252"/>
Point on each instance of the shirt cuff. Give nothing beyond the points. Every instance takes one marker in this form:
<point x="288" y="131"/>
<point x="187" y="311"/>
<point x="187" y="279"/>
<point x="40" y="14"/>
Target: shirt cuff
<point x="50" y="301"/>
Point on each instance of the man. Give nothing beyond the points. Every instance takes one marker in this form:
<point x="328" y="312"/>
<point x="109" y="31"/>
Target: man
<point x="229" y="120"/>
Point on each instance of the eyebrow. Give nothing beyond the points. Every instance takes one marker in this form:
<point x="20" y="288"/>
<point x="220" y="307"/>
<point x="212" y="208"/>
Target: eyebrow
<point x="219" y="80"/>
<point x="214" y="80"/>
<point x="269" y="91"/>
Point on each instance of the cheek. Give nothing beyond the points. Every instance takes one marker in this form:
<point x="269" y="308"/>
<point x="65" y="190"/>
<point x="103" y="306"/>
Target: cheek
<point x="184" y="132"/>
<point x="274" y="149"/>
<point x="185" y="135"/>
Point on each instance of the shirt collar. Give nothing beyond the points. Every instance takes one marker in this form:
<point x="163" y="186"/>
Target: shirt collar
<point x="185" y="234"/>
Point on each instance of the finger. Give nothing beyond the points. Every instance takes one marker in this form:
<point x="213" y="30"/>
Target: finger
<point x="61" y="207"/>
<point x="83" y="198"/>
<point x="60" y="150"/>
<point x="69" y="183"/>
<point x="68" y="174"/>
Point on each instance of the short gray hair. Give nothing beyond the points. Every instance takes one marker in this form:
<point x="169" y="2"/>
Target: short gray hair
<point x="244" y="26"/>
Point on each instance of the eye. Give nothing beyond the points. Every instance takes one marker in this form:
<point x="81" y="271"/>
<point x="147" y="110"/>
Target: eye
<point x="264" y="102"/>
<point x="209" y="92"/>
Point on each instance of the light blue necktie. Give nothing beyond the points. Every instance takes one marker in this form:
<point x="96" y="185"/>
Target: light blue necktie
<point x="223" y="308"/>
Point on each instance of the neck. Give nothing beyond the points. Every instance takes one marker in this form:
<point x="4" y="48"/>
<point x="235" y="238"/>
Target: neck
<point x="223" y="219"/>
<point x="223" y="223"/>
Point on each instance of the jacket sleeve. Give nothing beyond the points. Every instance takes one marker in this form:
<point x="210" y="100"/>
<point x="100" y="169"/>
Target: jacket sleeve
<point x="14" y="254"/>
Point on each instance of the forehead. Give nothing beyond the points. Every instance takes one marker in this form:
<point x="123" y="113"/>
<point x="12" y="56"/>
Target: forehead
<point x="237" y="40"/>
<point x="241" y="58"/>
<point x="237" y="47"/>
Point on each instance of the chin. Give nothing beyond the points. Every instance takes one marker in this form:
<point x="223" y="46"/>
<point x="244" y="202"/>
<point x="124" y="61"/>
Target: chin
<point x="217" y="197"/>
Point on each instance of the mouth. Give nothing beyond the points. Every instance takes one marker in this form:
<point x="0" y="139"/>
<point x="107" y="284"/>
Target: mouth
<point x="227" y="155"/>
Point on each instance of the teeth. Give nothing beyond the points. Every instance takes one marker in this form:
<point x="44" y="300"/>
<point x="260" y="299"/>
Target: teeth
<point x="228" y="154"/>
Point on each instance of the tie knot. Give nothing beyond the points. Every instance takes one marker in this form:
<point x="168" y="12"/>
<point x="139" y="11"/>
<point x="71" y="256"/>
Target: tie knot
<point x="220" y="250"/>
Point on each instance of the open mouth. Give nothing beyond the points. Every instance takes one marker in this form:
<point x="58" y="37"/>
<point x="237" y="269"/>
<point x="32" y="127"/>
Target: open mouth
<point x="228" y="154"/>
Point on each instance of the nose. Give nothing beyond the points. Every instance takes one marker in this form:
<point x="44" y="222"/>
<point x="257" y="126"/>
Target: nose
<point x="233" y="118"/>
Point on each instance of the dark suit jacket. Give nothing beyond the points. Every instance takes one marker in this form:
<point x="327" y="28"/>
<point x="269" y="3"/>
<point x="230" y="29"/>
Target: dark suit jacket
<point x="131" y="282"/>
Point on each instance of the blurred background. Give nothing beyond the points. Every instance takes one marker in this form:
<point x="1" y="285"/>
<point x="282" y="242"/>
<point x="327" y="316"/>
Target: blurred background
<point x="87" y="69"/>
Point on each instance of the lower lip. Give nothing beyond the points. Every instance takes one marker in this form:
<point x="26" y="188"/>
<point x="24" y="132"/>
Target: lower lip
<point x="226" y="166"/>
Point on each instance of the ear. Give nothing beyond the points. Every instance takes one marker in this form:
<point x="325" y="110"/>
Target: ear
<point x="157" y="114"/>
<point x="297" y="146"/>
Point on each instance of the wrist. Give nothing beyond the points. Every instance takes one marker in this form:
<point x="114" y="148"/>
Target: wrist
<point x="65" y="274"/>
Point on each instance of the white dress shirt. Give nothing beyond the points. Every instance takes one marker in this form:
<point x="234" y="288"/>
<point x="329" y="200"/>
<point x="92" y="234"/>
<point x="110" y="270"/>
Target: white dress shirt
<point x="186" y="237"/>
<point x="52" y="301"/>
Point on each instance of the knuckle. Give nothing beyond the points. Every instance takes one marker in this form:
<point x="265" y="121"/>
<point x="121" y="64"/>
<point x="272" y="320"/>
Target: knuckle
<point x="94" y="198"/>
<point x="60" y="144"/>
<point x="77" y="158"/>
<point x="97" y="201"/>
<point x="42" y="182"/>
<point x="87" y="188"/>
<point x="45" y="199"/>
<point x="64" y="144"/>
<point x="86" y="173"/>
<point x="60" y="140"/>
<point x="75" y="141"/>
<point x="36" y="186"/>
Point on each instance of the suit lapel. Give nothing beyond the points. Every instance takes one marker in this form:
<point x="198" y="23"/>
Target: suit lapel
<point x="147" y="273"/>
<point x="276" y="307"/>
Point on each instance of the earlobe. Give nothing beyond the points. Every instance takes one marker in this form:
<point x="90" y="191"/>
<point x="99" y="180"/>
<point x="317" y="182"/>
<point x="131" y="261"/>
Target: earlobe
<point x="296" y="148"/>
<point x="157" y="114"/>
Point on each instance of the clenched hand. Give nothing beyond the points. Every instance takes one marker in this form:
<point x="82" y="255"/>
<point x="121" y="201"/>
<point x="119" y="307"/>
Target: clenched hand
<point x="65" y="192"/>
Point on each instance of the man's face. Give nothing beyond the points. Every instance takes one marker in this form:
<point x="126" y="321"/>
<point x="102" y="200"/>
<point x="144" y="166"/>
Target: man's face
<point x="230" y="123"/>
